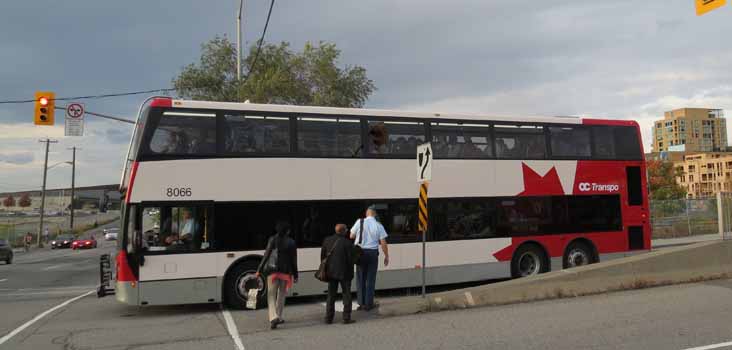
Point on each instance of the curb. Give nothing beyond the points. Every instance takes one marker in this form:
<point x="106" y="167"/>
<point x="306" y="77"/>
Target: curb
<point x="689" y="263"/>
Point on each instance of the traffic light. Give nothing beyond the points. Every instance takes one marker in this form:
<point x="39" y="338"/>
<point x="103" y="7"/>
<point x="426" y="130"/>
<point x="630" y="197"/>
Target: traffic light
<point x="44" y="111"/>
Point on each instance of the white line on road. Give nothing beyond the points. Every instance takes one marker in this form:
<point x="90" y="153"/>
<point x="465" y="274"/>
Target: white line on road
<point x="233" y="331"/>
<point x="713" y="346"/>
<point x="42" y="315"/>
<point x="52" y="267"/>
<point x="3" y="280"/>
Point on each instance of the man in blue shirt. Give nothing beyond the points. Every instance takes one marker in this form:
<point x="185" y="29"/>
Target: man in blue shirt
<point x="373" y="236"/>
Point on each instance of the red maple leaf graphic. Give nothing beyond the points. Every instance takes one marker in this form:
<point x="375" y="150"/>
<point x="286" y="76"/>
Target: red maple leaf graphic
<point x="536" y="185"/>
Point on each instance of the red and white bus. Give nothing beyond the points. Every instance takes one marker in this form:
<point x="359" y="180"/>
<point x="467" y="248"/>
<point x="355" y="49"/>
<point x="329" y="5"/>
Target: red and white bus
<point x="205" y="183"/>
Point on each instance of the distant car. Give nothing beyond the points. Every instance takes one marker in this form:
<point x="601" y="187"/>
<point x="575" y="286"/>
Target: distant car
<point x="62" y="241"/>
<point x="110" y="234"/>
<point x="6" y="253"/>
<point x="84" y="244"/>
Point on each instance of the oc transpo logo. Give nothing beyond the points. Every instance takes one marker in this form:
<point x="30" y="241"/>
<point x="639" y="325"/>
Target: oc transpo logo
<point x="586" y="186"/>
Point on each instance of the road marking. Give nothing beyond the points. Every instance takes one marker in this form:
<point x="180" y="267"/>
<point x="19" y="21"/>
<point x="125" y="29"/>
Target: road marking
<point x="52" y="267"/>
<point x="42" y="315"/>
<point x="3" y="280"/>
<point x="706" y="347"/>
<point x="233" y="331"/>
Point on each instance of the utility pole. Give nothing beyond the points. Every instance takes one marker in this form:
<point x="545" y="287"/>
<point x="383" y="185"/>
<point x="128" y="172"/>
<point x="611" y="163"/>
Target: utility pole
<point x="73" y="188"/>
<point x="43" y="190"/>
<point x="238" y="40"/>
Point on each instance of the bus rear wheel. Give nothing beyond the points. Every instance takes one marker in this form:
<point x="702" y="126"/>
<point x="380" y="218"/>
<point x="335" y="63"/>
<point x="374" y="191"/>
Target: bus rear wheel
<point x="239" y="280"/>
<point x="578" y="254"/>
<point x="529" y="260"/>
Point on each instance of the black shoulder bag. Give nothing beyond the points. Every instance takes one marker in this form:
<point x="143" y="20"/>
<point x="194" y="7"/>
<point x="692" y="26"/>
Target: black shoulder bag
<point x="357" y="250"/>
<point x="271" y="264"/>
<point x="322" y="273"/>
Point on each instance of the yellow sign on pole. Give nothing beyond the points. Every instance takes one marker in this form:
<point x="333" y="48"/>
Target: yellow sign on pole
<point x="704" y="6"/>
<point x="423" y="213"/>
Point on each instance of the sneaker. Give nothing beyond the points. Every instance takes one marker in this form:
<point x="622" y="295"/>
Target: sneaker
<point x="280" y="321"/>
<point x="273" y="324"/>
<point x="349" y="321"/>
<point x="328" y="321"/>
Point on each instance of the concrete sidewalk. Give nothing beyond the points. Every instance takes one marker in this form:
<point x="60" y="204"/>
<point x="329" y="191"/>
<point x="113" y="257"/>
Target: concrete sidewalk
<point x="671" y="242"/>
<point x="697" y="262"/>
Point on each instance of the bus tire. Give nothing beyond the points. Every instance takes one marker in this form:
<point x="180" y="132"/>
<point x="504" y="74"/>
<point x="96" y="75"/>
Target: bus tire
<point x="578" y="253"/>
<point x="239" y="280"/>
<point x="529" y="260"/>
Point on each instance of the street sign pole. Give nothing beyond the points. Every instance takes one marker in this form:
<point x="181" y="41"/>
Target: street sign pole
<point x="423" y="227"/>
<point x="424" y="176"/>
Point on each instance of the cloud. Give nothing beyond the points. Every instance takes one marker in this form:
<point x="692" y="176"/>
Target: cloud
<point x="610" y="59"/>
<point x="17" y="157"/>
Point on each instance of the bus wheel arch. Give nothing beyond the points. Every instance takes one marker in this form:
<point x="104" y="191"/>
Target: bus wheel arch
<point x="239" y="278"/>
<point x="529" y="258"/>
<point x="579" y="252"/>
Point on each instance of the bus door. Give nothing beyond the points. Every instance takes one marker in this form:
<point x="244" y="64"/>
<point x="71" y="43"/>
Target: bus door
<point x="635" y="215"/>
<point x="175" y="267"/>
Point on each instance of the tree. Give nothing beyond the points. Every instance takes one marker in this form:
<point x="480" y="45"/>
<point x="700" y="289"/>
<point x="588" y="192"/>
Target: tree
<point x="9" y="201"/>
<point x="662" y="180"/>
<point x="25" y="200"/>
<point x="278" y="75"/>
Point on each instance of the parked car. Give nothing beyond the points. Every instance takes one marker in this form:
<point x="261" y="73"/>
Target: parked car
<point x="6" y="252"/>
<point x="62" y="241"/>
<point x="110" y="234"/>
<point x="84" y="244"/>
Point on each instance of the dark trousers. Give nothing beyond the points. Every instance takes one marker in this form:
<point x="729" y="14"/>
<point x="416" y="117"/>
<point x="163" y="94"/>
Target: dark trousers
<point x="330" y="302"/>
<point x="366" y="277"/>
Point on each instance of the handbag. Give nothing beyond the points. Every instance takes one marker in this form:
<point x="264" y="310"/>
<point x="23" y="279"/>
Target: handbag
<point x="357" y="250"/>
<point x="322" y="273"/>
<point x="271" y="265"/>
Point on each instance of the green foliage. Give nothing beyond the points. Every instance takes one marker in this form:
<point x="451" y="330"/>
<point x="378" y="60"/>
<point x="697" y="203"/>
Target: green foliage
<point x="662" y="181"/>
<point x="280" y="76"/>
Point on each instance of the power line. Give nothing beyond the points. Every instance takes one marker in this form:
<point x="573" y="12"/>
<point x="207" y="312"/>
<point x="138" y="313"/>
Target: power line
<point x="92" y="96"/>
<point x="259" y="43"/>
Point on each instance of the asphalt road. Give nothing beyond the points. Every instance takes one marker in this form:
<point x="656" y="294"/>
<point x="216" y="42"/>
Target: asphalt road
<point x="43" y="278"/>
<point x="673" y="317"/>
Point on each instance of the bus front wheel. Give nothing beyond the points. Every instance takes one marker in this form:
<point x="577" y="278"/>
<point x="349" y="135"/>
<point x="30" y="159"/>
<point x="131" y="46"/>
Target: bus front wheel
<point x="529" y="260"/>
<point x="240" y="279"/>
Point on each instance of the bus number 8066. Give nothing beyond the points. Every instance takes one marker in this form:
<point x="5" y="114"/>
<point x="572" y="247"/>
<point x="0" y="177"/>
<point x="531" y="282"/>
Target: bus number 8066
<point x="178" y="192"/>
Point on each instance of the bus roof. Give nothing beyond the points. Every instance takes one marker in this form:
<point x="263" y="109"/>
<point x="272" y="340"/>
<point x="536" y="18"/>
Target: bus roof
<point x="366" y="112"/>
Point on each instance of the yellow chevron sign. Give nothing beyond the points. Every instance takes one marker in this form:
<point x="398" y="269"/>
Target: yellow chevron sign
<point x="704" y="6"/>
<point x="423" y="213"/>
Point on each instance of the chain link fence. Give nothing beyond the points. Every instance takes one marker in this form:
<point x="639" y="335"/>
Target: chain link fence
<point x="684" y="217"/>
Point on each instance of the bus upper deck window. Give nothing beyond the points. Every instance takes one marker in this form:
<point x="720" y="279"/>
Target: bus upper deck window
<point x="185" y="133"/>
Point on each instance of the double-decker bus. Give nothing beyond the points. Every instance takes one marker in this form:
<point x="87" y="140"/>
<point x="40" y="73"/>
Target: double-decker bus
<point x="205" y="183"/>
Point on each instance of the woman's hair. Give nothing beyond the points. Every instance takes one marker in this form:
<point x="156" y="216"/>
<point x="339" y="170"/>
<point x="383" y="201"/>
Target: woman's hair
<point x="282" y="228"/>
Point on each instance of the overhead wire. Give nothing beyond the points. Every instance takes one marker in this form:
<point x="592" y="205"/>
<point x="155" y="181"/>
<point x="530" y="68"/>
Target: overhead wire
<point x="91" y="96"/>
<point x="259" y="43"/>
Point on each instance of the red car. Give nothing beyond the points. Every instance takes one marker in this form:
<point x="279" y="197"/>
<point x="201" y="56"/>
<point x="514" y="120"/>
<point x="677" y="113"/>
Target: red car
<point x="84" y="244"/>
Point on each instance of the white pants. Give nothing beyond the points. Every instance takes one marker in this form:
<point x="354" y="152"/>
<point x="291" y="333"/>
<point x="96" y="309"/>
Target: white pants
<point x="276" y="294"/>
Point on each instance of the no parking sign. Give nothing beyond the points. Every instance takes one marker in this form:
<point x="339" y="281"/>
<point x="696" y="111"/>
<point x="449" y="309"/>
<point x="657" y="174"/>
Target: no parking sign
<point x="74" y="119"/>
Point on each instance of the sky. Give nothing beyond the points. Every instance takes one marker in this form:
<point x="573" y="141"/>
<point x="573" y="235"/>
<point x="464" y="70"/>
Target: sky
<point x="621" y="59"/>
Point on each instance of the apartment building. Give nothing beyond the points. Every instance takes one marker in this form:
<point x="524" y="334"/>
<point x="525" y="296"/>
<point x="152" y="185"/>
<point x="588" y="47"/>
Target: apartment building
<point x="691" y="130"/>
<point x="705" y="174"/>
